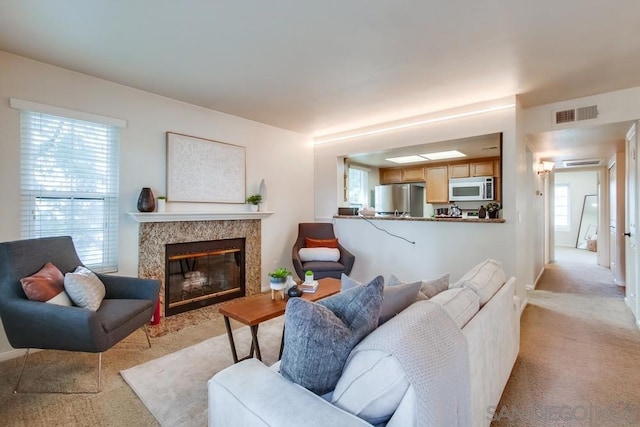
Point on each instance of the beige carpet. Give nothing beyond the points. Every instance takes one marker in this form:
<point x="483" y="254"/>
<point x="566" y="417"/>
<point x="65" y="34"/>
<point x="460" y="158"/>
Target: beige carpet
<point x="579" y="362"/>
<point x="181" y="377"/>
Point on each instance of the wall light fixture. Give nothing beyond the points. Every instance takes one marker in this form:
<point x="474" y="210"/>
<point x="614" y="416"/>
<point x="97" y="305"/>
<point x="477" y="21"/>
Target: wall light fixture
<point x="545" y="168"/>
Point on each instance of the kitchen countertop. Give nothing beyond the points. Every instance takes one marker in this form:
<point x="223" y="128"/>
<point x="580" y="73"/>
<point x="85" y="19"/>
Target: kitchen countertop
<point x="441" y="219"/>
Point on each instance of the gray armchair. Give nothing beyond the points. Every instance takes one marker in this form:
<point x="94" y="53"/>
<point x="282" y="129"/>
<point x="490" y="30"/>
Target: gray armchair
<point x="321" y="269"/>
<point x="128" y="304"/>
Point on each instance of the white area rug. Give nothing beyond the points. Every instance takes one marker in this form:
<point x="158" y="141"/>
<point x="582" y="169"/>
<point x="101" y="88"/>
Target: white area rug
<point x="174" y="387"/>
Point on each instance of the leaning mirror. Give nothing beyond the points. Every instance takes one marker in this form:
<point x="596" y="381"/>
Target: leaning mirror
<point x="588" y="232"/>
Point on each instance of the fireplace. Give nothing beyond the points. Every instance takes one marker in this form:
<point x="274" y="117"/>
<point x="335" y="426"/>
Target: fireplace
<point x="156" y="232"/>
<point x="202" y="273"/>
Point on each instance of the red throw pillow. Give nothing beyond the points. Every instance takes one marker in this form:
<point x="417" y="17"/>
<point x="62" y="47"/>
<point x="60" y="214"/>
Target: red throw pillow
<point x="321" y="243"/>
<point x="45" y="284"/>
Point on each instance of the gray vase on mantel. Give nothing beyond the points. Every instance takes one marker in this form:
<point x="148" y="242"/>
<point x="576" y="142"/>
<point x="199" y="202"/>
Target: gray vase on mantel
<point x="146" y="201"/>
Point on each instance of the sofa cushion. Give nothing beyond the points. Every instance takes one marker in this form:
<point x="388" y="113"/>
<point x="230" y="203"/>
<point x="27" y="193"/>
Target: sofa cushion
<point x="461" y="304"/>
<point x="484" y="279"/>
<point x="46" y="285"/>
<point x="114" y="313"/>
<point x="431" y="288"/>
<point x="319" y="336"/>
<point x="84" y="288"/>
<point x="371" y="386"/>
<point x="319" y="254"/>
<point x="318" y="266"/>
<point x="396" y="295"/>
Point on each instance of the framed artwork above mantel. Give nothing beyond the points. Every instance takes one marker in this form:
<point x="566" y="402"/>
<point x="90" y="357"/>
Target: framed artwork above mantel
<point x="205" y="171"/>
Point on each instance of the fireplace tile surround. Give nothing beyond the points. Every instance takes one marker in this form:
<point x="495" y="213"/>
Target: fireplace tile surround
<point x="157" y="230"/>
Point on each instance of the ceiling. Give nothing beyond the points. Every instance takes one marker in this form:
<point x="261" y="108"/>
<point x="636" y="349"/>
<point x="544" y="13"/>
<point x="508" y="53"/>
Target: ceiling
<point x="328" y="66"/>
<point x="474" y="148"/>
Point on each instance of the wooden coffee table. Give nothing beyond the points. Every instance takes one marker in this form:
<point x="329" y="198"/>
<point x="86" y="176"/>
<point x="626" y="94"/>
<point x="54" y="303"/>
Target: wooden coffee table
<point x="253" y="311"/>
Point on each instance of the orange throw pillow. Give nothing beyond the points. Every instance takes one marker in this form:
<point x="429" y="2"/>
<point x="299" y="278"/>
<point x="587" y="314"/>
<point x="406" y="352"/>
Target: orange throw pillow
<point x="43" y="285"/>
<point x="321" y="243"/>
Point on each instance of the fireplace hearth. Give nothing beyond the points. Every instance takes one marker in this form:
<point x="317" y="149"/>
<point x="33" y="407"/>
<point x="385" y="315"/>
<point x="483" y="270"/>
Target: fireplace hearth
<point x="202" y="273"/>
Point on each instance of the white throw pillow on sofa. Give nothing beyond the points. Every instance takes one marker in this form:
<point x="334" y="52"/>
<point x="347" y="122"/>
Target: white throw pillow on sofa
<point x="461" y="304"/>
<point x="484" y="279"/>
<point x="319" y="254"/>
<point x="371" y="386"/>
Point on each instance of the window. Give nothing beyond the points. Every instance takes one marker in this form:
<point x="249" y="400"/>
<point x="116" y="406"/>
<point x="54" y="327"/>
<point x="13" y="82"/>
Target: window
<point x="69" y="184"/>
<point x="561" y="207"/>
<point x="358" y="186"/>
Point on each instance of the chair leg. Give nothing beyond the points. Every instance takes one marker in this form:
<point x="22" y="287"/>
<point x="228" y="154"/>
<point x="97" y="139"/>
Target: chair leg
<point x="99" y="372"/>
<point x="146" y="333"/>
<point x="24" y="363"/>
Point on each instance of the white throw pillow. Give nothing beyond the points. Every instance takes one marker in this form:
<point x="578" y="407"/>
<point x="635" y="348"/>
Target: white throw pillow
<point x="484" y="279"/>
<point x="319" y="254"/>
<point x="61" y="299"/>
<point x="84" y="288"/>
<point x="460" y="303"/>
<point x="371" y="386"/>
<point x="431" y="288"/>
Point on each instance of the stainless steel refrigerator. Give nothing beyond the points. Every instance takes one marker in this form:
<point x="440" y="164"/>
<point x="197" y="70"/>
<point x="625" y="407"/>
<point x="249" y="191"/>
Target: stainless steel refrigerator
<point x="399" y="199"/>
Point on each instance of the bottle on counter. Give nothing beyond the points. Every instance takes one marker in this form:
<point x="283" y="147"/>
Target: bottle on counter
<point x="482" y="212"/>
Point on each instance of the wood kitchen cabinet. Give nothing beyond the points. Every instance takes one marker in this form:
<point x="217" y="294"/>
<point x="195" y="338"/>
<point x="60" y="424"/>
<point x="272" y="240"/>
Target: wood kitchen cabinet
<point x="497" y="170"/>
<point x="460" y="170"/>
<point x="437" y="185"/>
<point x="484" y="168"/>
<point x="413" y="174"/>
<point x="390" y="176"/>
<point x="405" y="174"/>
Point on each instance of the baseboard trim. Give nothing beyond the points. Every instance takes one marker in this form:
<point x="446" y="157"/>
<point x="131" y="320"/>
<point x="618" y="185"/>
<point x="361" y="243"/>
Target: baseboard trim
<point x="12" y="354"/>
<point x="535" y="282"/>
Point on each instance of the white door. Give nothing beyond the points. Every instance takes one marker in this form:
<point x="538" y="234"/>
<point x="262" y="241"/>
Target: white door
<point x="631" y="239"/>
<point x="613" y="240"/>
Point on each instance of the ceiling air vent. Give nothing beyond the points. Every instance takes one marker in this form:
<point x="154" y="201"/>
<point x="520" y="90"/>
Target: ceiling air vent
<point x="579" y="163"/>
<point x="576" y="114"/>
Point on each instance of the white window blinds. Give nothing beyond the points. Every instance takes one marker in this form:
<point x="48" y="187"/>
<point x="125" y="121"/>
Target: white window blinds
<point x="69" y="185"/>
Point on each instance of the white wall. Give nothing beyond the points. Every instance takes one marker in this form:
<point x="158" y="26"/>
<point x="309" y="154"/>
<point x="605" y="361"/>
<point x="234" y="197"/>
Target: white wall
<point x="283" y="158"/>
<point x="580" y="184"/>
<point x="440" y="247"/>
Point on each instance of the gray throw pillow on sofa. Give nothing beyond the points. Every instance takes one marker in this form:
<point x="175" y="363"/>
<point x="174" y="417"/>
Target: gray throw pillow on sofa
<point x="396" y="295"/>
<point x="319" y="336"/>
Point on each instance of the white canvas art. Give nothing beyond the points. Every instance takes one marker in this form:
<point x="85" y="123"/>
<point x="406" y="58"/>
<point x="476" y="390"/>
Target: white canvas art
<point x="202" y="170"/>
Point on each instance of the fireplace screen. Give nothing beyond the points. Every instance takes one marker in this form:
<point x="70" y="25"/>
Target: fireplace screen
<point x="203" y="273"/>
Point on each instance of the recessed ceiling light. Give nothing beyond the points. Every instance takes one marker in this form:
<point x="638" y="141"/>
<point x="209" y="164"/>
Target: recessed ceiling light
<point x="406" y="159"/>
<point x="443" y="155"/>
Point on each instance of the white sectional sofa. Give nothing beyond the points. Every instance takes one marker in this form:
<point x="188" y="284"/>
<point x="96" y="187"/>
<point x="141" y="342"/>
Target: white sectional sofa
<point x="483" y="304"/>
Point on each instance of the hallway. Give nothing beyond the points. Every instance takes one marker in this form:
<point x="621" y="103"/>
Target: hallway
<point x="579" y="361"/>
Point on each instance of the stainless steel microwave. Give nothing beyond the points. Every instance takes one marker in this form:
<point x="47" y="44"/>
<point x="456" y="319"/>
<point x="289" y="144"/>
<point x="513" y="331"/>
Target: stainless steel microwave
<point x="470" y="189"/>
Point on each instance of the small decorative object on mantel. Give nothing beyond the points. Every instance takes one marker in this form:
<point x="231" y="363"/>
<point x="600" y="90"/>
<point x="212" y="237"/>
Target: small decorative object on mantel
<point x="277" y="281"/>
<point x="254" y="202"/>
<point x="262" y="190"/>
<point x="482" y="212"/>
<point x="493" y="209"/>
<point x="146" y="201"/>
<point x="161" y="204"/>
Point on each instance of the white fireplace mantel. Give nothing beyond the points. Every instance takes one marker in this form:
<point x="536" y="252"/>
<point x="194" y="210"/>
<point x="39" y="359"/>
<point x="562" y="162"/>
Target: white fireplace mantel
<point x="195" y="216"/>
